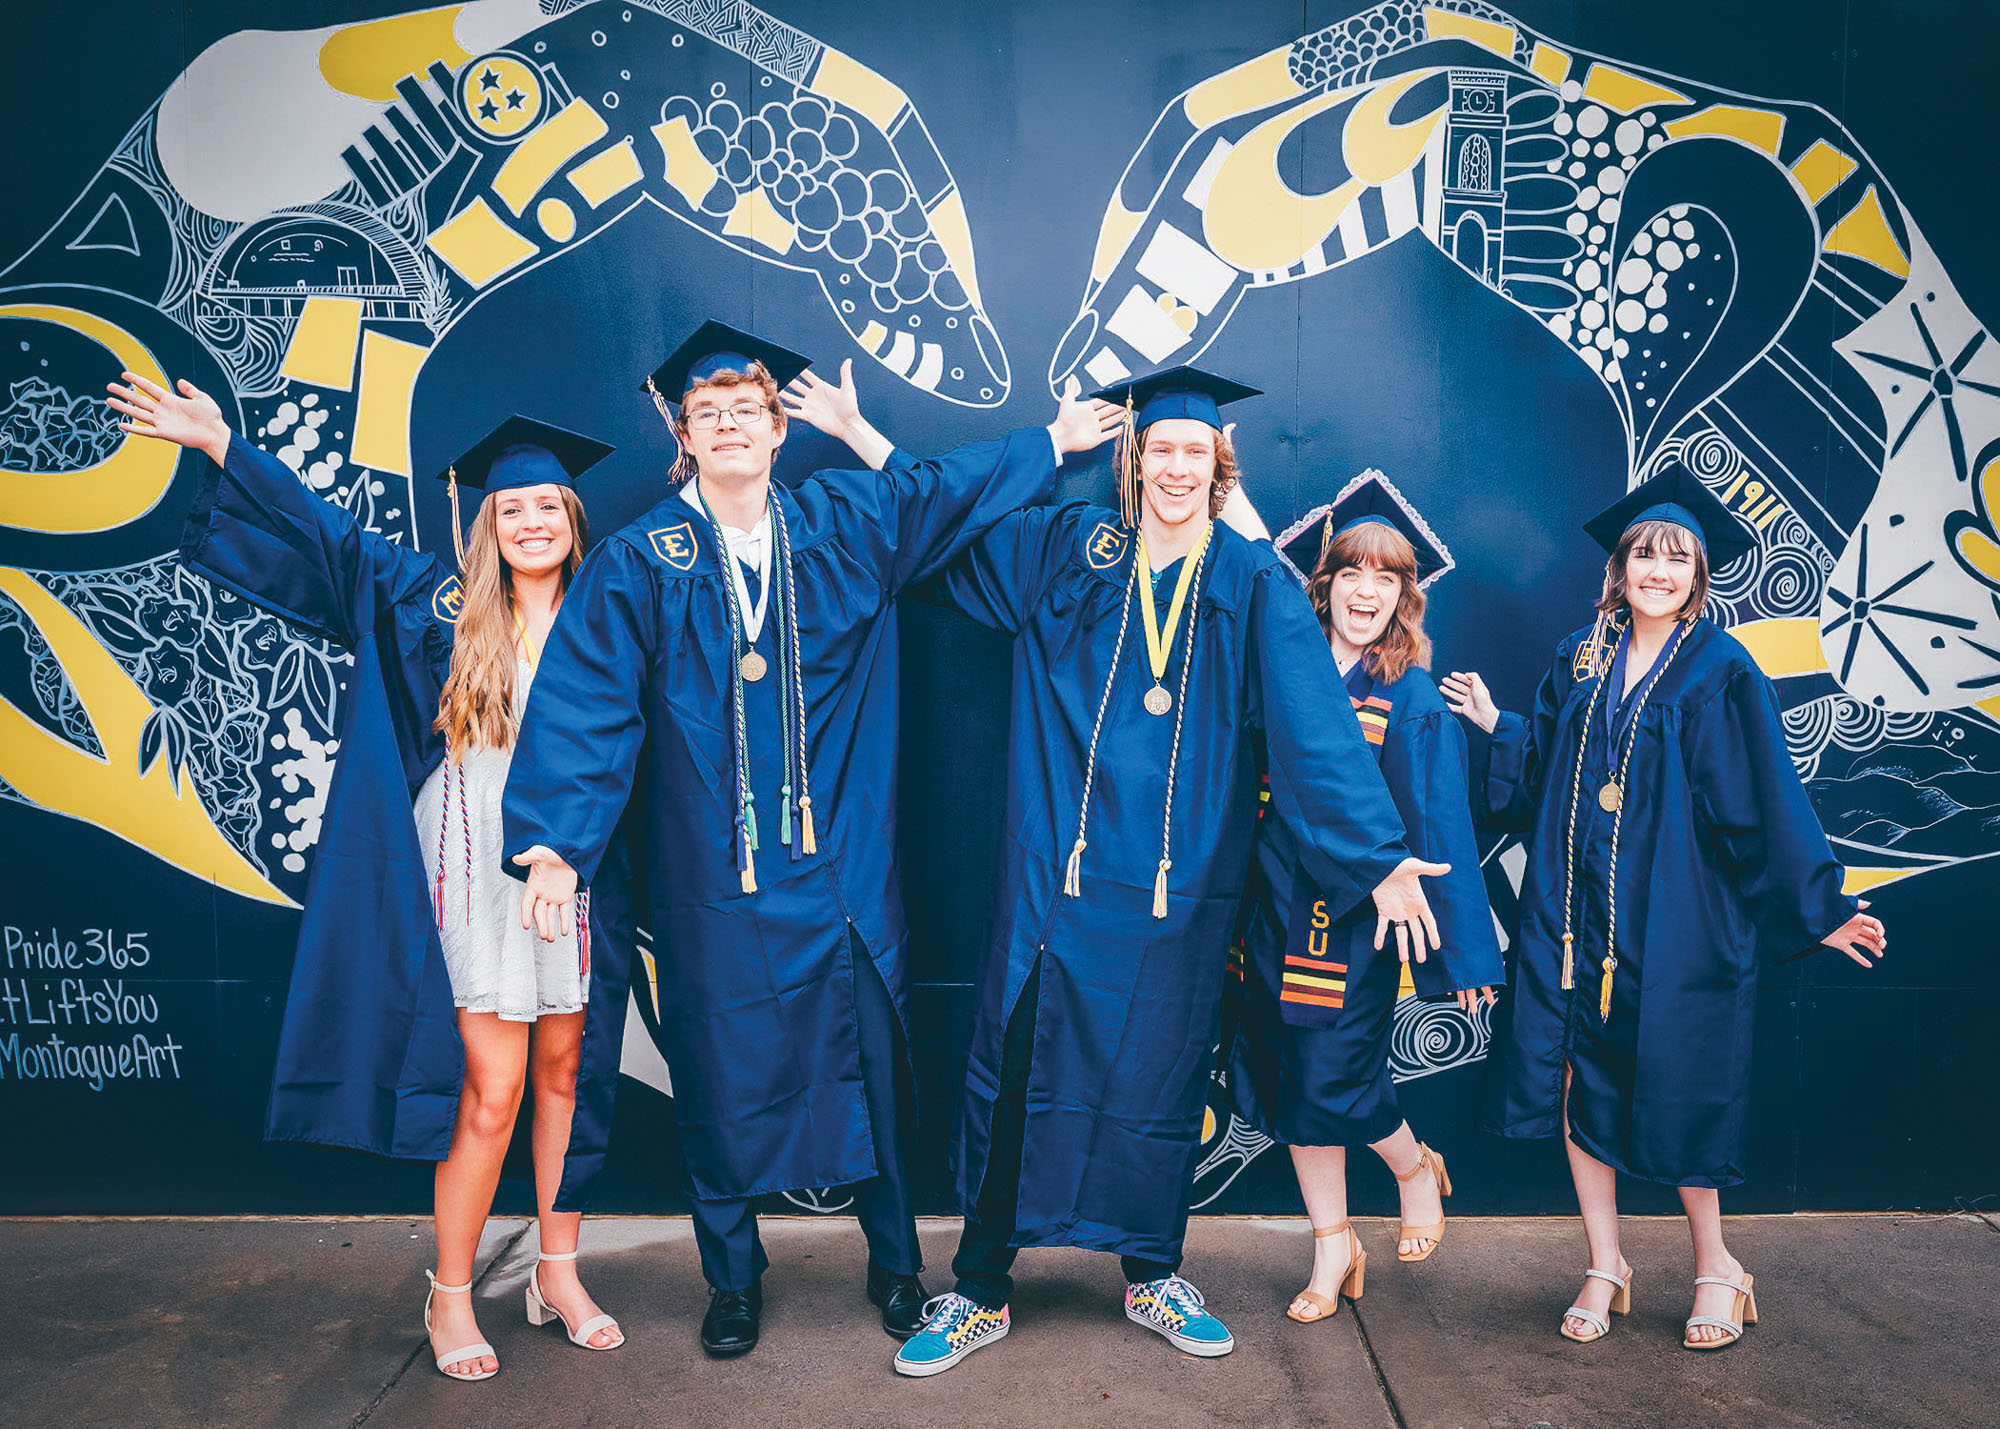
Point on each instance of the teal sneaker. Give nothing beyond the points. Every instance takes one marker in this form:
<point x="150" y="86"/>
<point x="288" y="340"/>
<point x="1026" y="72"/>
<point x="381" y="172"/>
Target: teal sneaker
<point x="1173" y="1308"/>
<point x="953" y="1328"/>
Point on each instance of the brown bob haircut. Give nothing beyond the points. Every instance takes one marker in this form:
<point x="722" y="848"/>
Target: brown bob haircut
<point x="1669" y="536"/>
<point x="1402" y="643"/>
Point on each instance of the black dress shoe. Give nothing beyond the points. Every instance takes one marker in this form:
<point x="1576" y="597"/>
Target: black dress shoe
<point x="730" y="1326"/>
<point x="901" y="1298"/>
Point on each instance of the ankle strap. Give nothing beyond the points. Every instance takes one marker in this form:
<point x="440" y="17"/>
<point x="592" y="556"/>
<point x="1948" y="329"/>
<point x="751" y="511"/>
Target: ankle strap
<point x="1321" y="1232"/>
<point x="439" y="1285"/>
<point x="565" y="1255"/>
<point x="1424" y="1155"/>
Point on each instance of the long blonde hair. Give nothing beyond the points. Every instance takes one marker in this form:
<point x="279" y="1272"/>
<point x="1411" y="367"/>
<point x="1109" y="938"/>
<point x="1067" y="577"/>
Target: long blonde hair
<point x="476" y="706"/>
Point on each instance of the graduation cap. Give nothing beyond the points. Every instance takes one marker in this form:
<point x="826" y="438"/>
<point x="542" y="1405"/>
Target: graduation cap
<point x="520" y="452"/>
<point x="1370" y="496"/>
<point x="1673" y="493"/>
<point x="1177" y="392"/>
<point x="717" y="347"/>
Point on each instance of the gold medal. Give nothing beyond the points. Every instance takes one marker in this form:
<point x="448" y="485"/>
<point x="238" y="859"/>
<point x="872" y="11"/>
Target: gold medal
<point x="753" y="667"/>
<point x="1610" y="797"/>
<point x="1158" y="701"/>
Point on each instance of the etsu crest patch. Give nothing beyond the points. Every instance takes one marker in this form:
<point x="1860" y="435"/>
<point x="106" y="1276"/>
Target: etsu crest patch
<point x="448" y="600"/>
<point x="1105" y="547"/>
<point x="675" y="545"/>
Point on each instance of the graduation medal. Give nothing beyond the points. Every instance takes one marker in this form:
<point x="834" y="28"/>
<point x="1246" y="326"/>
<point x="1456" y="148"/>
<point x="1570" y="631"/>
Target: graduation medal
<point x="753" y="667"/>
<point x="1159" y="643"/>
<point x="1608" y="798"/>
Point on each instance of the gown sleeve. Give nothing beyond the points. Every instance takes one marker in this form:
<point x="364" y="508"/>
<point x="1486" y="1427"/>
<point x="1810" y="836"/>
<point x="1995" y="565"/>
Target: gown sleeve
<point x="999" y="578"/>
<point x="1522" y="750"/>
<point x="578" y="751"/>
<point x="916" y="514"/>
<point x="1424" y="762"/>
<point x="1757" y="821"/>
<point x="256" y="529"/>
<point x="1325" y="784"/>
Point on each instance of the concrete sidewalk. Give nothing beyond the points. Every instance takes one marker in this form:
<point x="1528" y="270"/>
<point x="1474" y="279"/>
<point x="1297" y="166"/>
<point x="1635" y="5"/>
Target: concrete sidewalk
<point x="1876" y="1320"/>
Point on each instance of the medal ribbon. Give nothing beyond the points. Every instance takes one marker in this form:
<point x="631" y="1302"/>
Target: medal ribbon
<point x="521" y="629"/>
<point x="1159" y="645"/>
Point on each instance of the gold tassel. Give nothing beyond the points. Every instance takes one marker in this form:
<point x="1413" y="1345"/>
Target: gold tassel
<point x="1160" y="890"/>
<point x="1569" y="963"/>
<point x="457" y="527"/>
<point x="1604" y="991"/>
<point x="750" y="875"/>
<point x="1073" y="875"/>
<point x="806" y="839"/>
<point x="1128" y="467"/>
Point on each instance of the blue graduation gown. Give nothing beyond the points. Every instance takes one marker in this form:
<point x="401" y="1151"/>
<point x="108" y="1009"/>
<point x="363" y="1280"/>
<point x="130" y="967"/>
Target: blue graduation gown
<point x="632" y="705"/>
<point x="1719" y="857"/>
<point x="1310" y="1064"/>
<point x="1126" y="1020"/>
<point x="369" y="1055"/>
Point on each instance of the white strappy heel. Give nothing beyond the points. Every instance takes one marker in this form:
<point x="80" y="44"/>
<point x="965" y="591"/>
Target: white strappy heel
<point x="1746" y="1313"/>
<point x="467" y="1352"/>
<point x="1621" y="1304"/>
<point x="540" y="1311"/>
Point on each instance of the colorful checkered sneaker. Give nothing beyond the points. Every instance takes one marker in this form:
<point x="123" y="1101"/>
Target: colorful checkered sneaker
<point x="1174" y="1308"/>
<point x="953" y="1328"/>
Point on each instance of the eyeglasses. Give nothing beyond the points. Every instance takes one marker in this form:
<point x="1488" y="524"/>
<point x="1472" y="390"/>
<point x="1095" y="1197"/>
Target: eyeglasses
<point x="744" y="414"/>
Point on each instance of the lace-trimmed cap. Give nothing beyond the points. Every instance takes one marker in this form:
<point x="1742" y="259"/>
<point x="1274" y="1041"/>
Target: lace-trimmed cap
<point x="1370" y="496"/>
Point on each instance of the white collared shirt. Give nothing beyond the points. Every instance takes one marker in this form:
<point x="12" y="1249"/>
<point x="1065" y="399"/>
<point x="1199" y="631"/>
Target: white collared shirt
<point x="746" y="548"/>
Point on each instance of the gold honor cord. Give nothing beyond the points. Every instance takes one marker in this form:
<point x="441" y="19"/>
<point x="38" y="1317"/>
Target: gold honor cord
<point x="521" y="629"/>
<point x="1611" y="800"/>
<point x="1159" y="643"/>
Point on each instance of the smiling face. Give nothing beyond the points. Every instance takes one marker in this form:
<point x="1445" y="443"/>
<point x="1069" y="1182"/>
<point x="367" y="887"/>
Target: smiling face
<point x="533" y="528"/>
<point x="1662" y="565"/>
<point x="749" y="427"/>
<point x="1177" y="463"/>
<point x="1361" y="602"/>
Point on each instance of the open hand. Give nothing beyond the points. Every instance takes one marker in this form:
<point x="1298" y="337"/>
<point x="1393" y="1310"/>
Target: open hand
<point x="1081" y="425"/>
<point x="1400" y="904"/>
<point x="1467" y="695"/>
<point x="819" y="403"/>
<point x="1858" y="936"/>
<point x="188" y="418"/>
<point x="551" y="889"/>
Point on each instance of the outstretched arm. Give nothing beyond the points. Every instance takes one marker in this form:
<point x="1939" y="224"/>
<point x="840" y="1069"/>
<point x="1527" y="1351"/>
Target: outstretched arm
<point x="836" y="410"/>
<point x="188" y="417"/>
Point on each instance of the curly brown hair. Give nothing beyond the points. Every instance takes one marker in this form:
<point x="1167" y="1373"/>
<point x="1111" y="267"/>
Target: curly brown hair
<point x="758" y="376"/>
<point x="1402" y="642"/>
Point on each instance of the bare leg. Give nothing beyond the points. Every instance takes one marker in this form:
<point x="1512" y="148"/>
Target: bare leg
<point x="1422" y="1205"/>
<point x="496" y="1063"/>
<point x="1322" y="1172"/>
<point x="1597" y="1195"/>
<point x="552" y="1061"/>
<point x="1711" y="1257"/>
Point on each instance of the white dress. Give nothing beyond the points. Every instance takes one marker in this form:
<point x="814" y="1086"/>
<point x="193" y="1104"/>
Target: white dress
<point x="496" y="965"/>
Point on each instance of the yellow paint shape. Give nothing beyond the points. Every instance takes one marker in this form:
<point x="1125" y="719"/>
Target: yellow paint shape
<point x="1865" y="234"/>
<point x="1783" y="647"/>
<point x="367" y="59"/>
<point x="1860" y="880"/>
<point x="1253" y="218"/>
<point x="121" y="488"/>
<point x="872" y="337"/>
<point x="157" y="809"/>
<point x="1254" y="84"/>
<point x="954" y="235"/>
<point x="478" y="246"/>
<point x="1821" y="169"/>
<point x="557" y="219"/>
<point x="389" y="370"/>
<point x="1550" y="63"/>
<point x="608" y="174"/>
<point x="1114" y="236"/>
<point x="1406" y="986"/>
<point x="324" y="342"/>
<point x="1377" y="150"/>
<point x="688" y="170"/>
<point x="1759" y="128"/>
<point x="1207" y="1123"/>
<point x="1978" y="550"/>
<point x="754" y="218"/>
<point x="848" y="81"/>
<point x="1616" y="89"/>
<point x="652" y="980"/>
<point x="1487" y="34"/>
<point x="1990" y="707"/>
<point x="537" y="157"/>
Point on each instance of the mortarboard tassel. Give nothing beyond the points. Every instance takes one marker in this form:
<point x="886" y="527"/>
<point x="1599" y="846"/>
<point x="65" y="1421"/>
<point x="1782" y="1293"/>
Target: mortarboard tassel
<point x="1128" y="467"/>
<point x="1569" y="963"/>
<point x="1160" y="889"/>
<point x="1604" y="991"/>
<point x="457" y="525"/>
<point x="809" y="844"/>
<point x="785" y="818"/>
<point x="1073" y="875"/>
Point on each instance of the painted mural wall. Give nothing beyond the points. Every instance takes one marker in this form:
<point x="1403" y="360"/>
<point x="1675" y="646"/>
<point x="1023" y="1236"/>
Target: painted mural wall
<point x="1512" y="258"/>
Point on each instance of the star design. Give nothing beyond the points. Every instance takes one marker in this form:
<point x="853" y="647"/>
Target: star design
<point x="515" y="99"/>
<point x="1945" y="383"/>
<point x="487" y="109"/>
<point x="1861" y="612"/>
<point x="488" y="79"/>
